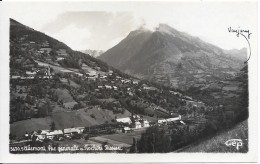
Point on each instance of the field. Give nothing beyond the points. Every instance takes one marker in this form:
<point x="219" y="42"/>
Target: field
<point x="217" y="143"/>
<point x="121" y="140"/>
<point x="55" y="67"/>
<point x="78" y="142"/>
<point x="20" y="127"/>
<point x="75" y="118"/>
<point x="125" y="137"/>
<point x="64" y="95"/>
<point x="109" y="141"/>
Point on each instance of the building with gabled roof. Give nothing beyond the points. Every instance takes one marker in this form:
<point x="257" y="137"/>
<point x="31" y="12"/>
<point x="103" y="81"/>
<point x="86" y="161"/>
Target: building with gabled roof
<point x="126" y="130"/>
<point x="44" y="132"/>
<point x="145" y="123"/>
<point x="70" y="131"/>
<point x="137" y="125"/>
<point x="124" y="120"/>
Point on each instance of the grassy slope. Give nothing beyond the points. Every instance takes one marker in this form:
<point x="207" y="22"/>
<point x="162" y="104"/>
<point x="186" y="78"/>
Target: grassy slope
<point x="63" y="120"/>
<point x="125" y="137"/>
<point x="217" y="143"/>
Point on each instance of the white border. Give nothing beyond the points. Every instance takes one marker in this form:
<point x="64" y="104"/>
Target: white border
<point x="5" y="156"/>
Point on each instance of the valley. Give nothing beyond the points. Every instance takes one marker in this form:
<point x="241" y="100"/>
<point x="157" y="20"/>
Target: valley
<point x="167" y="87"/>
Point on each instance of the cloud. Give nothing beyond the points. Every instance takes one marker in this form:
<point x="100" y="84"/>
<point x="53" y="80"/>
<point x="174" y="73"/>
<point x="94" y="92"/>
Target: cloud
<point x="104" y="28"/>
<point x="108" y="21"/>
<point x="73" y="36"/>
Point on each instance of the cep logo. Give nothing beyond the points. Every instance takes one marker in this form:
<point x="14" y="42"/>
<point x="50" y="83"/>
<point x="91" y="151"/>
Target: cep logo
<point x="235" y="143"/>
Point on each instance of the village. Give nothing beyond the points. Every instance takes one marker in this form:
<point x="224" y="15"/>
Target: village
<point x="83" y="85"/>
<point x="134" y="124"/>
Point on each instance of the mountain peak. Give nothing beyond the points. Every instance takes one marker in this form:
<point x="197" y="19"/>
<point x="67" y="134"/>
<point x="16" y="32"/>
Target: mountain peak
<point x="141" y="29"/>
<point x="166" y="54"/>
<point x="164" y="28"/>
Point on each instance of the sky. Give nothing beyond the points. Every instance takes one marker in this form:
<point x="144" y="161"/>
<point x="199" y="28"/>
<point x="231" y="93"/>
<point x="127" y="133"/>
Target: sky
<point x="101" y="25"/>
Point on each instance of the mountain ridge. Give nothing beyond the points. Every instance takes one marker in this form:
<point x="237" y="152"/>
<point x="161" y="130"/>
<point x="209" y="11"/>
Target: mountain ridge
<point x="168" y="52"/>
<point x="93" y="53"/>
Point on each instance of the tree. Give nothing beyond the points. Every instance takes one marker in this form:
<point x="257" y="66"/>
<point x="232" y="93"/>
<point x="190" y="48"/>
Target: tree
<point x="21" y="91"/>
<point x="133" y="148"/>
<point x="53" y="126"/>
<point x="53" y="53"/>
<point x="93" y="116"/>
<point x="154" y="140"/>
<point x="177" y="138"/>
<point x="86" y="137"/>
<point x="47" y="107"/>
<point x="41" y="111"/>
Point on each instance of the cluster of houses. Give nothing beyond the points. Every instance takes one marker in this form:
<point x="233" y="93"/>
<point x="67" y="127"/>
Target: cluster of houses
<point x="189" y="100"/>
<point x="176" y="93"/>
<point x="90" y="73"/>
<point x="46" y="50"/>
<point x="130" y="90"/>
<point x="136" y="122"/>
<point x="107" y="87"/>
<point x="58" y="134"/>
<point x="44" y="73"/>
<point x="170" y="120"/>
<point x="114" y="87"/>
<point x="146" y="87"/>
<point x="193" y="102"/>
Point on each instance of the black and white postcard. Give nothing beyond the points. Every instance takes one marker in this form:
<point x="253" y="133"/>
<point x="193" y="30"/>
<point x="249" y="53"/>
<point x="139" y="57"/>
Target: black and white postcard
<point x="128" y="81"/>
